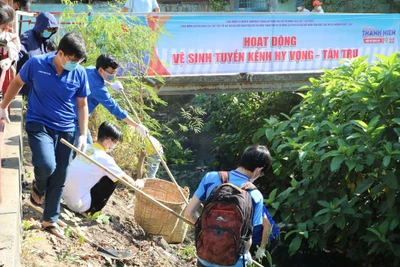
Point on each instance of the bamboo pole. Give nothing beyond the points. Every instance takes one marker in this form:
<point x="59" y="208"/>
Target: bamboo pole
<point x="126" y="182"/>
<point x="154" y="147"/>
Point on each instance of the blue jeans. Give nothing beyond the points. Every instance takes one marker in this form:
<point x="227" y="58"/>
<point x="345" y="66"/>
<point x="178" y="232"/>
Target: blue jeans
<point x="50" y="159"/>
<point x="152" y="165"/>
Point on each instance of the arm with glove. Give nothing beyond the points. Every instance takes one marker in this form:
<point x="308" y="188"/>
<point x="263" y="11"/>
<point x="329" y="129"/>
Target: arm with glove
<point x="114" y="109"/>
<point x="12" y="91"/>
<point x="265" y="237"/>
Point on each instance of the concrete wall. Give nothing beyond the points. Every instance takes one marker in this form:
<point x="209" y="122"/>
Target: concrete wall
<point x="10" y="188"/>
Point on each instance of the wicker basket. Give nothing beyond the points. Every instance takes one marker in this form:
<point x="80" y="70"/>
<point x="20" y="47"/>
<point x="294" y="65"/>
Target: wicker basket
<point x="179" y="233"/>
<point x="154" y="219"/>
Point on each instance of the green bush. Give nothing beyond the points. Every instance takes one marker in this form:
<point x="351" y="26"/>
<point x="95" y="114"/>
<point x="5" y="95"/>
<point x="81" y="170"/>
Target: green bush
<point x="236" y="118"/>
<point x="336" y="159"/>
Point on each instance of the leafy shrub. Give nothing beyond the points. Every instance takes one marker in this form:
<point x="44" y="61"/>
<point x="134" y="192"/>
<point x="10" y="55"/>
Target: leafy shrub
<point x="236" y="117"/>
<point x="128" y="38"/>
<point x="336" y="159"/>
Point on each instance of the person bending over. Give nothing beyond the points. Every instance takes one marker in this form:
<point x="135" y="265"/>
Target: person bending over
<point x="88" y="187"/>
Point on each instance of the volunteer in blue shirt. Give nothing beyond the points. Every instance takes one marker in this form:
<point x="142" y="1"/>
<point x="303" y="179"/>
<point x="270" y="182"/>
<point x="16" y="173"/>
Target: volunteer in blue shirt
<point x="254" y="159"/>
<point x="100" y="76"/>
<point x="264" y="234"/>
<point x="59" y="84"/>
<point x="34" y="42"/>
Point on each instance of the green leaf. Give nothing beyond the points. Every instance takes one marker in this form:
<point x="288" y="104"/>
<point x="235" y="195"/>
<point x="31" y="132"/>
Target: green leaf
<point x="295" y="245"/>
<point x="302" y="155"/>
<point x="336" y="162"/>
<point x="272" y="194"/>
<point x="269" y="133"/>
<point x="290" y="233"/>
<point x="394" y="223"/>
<point x="372" y="230"/>
<point x="383" y="227"/>
<point x="323" y="211"/>
<point x="354" y="227"/>
<point x="354" y="135"/>
<point x="275" y="205"/>
<point x="386" y="161"/>
<point x="293" y="182"/>
<point x="390" y="180"/>
<point x="305" y="234"/>
<point x="396" y="120"/>
<point x="340" y="222"/>
<point x="330" y="154"/>
<point x="374" y="121"/>
<point x="350" y="164"/>
<point x="328" y="225"/>
<point x="349" y="211"/>
<point x="360" y="124"/>
<point x="269" y="257"/>
<point x="391" y="197"/>
<point x="81" y="239"/>
<point x="364" y="185"/>
<point x="324" y="203"/>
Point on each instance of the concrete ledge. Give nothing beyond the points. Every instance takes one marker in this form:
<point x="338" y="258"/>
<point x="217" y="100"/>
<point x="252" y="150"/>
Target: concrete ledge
<point x="10" y="188"/>
<point x="242" y="82"/>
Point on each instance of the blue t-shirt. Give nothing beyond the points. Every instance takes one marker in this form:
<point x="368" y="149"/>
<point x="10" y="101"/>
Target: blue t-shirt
<point x="212" y="180"/>
<point x="52" y="98"/>
<point x="100" y="95"/>
<point x="257" y="230"/>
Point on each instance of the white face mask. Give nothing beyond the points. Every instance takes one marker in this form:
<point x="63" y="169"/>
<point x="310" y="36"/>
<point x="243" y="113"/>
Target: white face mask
<point x="299" y="8"/>
<point x="111" y="148"/>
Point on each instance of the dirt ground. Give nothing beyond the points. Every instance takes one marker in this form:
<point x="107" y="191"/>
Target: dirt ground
<point x="120" y="231"/>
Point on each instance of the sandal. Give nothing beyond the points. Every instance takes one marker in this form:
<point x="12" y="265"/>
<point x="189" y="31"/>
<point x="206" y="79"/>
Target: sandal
<point x="55" y="230"/>
<point x="35" y="191"/>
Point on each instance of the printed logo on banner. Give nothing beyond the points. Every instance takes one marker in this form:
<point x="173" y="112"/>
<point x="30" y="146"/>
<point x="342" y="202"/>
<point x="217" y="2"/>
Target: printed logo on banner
<point x="376" y="36"/>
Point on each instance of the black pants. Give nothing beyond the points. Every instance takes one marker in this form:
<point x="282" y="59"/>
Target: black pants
<point x="100" y="193"/>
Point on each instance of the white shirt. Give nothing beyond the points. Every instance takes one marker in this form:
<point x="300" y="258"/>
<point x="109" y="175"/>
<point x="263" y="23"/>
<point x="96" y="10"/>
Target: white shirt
<point x="83" y="175"/>
<point x="141" y="6"/>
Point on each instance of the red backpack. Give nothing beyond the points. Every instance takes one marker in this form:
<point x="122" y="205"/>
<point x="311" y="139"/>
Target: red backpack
<point x="225" y="224"/>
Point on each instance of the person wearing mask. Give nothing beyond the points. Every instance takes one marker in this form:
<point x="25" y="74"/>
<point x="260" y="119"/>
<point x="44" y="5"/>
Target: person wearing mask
<point x="100" y="76"/>
<point x="59" y="88"/>
<point x="9" y="42"/>
<point x="300" y="7"/>
<point x="22" y="5"/>
<point x="34" y="42"/>
<point x="88" y="187"/>
<point x="141" y="6"/>
<point x="253" y="161"/>
<point x="317" y="7"/>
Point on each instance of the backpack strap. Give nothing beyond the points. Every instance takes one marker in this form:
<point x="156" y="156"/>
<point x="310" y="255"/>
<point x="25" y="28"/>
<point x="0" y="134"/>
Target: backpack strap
<point x="225" y="180"/>
<point x="224" y="177"/>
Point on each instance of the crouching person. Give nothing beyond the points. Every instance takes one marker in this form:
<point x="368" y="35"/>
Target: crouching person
<point x="88" y="187"/>
<point x="223" y="230"/>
